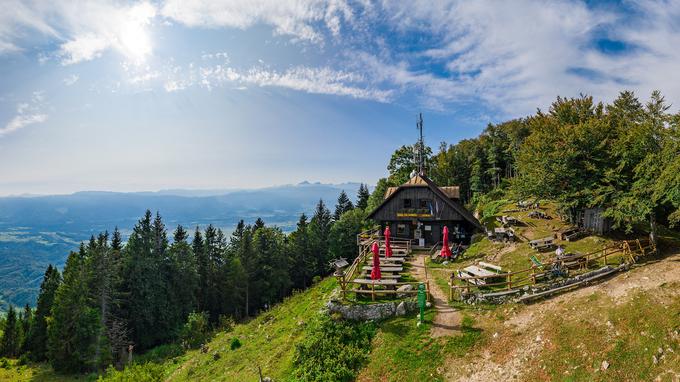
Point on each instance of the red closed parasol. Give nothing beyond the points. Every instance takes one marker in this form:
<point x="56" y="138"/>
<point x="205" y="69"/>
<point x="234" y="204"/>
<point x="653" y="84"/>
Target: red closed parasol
<point x="388" y="249"/>
<point x="446" y="251"/>
<point x="375" y="272"/>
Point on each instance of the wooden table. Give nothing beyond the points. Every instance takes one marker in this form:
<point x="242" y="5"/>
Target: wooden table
<point x="479" y="272"/>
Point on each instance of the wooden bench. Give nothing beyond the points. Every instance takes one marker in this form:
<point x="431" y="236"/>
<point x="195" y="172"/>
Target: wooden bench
<point x="385" y="269"/>
<point x="491" y="267"/>
<point x="375" y="282"/>
<point x="385" y="276"/>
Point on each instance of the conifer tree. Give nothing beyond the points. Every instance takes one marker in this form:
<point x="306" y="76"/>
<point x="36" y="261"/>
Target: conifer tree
<point x="182" y="278"/>
<point x="303" y="265"/>
<point x="116" y="240"/>
<point x="259" y="223"/>
<point x="37" y="334"/>
<point x="146" y="293"/>
<point x="74" y="324"/>
<point x="362" y="196"/>
<point x="319" y="228"/>
<point x="9" y="343"/>
<point x="344" y="205"/>
<point x="26" y="321"/>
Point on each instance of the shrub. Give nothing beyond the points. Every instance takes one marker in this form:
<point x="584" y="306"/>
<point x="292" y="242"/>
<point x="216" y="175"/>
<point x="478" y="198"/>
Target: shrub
<point x="160" y="353"/>
<point x="316" y="279"/>
<point x="196" y="331"/>
<point x="333" y="350"/>
<point x="148" y="372"/>
<point x="235" y="343"/>
<point x="226" y="323"/>
<point x="23" y="360"/>
<point x="4" y="364"/>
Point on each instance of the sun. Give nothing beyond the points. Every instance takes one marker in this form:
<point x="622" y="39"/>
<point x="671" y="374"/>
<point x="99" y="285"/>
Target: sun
<point x="133" y="39"/>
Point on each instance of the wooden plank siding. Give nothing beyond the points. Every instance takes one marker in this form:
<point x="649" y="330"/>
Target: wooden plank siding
<point x="440" y="208"/>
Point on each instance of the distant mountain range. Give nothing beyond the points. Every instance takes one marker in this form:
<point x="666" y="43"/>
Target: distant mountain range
<point x="38" y="230"/>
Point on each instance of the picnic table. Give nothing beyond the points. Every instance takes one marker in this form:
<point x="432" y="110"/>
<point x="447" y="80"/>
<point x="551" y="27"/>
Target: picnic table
<point x="483" y="270"/>
<point x="502" y="234"/>
<point x="541" y="244"/>
<point x="508" y="220"/>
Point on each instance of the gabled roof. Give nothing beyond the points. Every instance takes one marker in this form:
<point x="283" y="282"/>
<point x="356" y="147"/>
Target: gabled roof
<point x="451" y="192"/>
<point x="420" y="180"/>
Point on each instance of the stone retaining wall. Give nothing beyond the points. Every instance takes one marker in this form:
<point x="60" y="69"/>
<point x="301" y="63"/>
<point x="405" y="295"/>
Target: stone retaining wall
<point x="371" y="312"/>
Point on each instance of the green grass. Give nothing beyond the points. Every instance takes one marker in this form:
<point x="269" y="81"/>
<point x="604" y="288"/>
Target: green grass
<point x="268" y="341"/>
<point x="635" y="331"/>
<point x="38" y="373"/>
<point x="403" y="351"/>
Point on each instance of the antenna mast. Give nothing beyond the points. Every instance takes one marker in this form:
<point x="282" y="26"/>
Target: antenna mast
<point x="421" y="145"/>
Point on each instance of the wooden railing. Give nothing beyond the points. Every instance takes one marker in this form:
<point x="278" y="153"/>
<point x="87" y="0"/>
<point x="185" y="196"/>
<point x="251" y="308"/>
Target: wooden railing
<point x="365" y="241"/>
<point x="627" y="250"/>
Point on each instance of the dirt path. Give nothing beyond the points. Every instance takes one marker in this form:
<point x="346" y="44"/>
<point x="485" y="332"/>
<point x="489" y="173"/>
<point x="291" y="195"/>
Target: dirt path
<point x="447" y="320"/>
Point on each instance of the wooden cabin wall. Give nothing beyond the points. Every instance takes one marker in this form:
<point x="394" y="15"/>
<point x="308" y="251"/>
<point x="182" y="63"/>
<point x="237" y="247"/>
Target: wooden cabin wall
<point x="396" y="204"/>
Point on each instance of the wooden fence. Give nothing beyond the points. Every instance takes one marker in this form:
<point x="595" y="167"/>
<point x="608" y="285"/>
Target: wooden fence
<point x="627" y="250"/>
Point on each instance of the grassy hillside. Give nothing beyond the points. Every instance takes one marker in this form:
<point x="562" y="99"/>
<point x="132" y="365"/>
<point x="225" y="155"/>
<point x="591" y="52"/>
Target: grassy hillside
<point x="267" y="342"/>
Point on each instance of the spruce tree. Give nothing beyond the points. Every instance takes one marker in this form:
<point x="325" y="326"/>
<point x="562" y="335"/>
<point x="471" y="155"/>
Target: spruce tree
<point x="144" y="287"/>
<point x="9" y="344"/>
<point x="74" y="324"/>
<point x="26" y="322"/>
<point x="319" y="228"/>
<point x="344" y="205"/>
<point x="116" y="240"/>
<point x="37" y="334"/>
<point x="362" y="196"/>
<point x="182" y="277"/>
<point x="303" y="265"/>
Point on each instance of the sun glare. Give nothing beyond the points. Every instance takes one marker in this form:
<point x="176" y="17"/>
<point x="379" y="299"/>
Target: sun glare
<point x="134" y="39"/>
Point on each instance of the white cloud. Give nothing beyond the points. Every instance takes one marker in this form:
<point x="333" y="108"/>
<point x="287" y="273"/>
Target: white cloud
<point x="70" y="80"/>
<point x="27" y="113"/>
<point x="299" y="18"/>
<point x="85" y="30"/>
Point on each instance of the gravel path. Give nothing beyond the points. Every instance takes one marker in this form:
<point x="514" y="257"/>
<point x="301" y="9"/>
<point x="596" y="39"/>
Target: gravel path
<point x="447" y="319"/>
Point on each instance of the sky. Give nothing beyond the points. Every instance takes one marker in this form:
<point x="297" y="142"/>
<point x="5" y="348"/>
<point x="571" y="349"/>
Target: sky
<point x="149" y="95"/>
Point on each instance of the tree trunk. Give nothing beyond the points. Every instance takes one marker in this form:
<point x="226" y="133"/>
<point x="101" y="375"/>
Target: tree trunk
<point x="247" y="295"/>
<point x="652" y="228"/>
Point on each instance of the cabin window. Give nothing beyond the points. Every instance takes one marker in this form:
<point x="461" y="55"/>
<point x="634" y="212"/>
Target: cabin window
<point x="425" y="203"/>
<point x="401" y="229"/>
<point x="428" y="228"/>
<point x="407" y="203"/>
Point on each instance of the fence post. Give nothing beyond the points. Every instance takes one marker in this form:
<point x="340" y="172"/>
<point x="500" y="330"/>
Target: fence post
<point x="509" y="281"/>
<point x="451" y="286"/>
<point x="428" y="290"/>
<point x="373" y="291"/>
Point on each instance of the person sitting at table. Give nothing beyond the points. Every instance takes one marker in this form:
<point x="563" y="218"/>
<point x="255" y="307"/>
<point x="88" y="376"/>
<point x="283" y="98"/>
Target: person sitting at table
<point x="559" y="251"/>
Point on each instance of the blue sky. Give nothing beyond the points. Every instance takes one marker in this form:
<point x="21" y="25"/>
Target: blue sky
<point x="129" y="96"/>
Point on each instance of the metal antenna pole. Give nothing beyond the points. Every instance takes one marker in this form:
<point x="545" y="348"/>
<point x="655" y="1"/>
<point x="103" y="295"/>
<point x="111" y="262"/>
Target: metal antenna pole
<point x="421" y="154"/>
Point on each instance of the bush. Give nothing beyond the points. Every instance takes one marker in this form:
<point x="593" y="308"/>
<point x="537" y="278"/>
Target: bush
<point x="235" y="343"/>
<point x="148" y="372"/>
<point x="226" y="323"/>
<point x="23" y="360"/>
<point x="333" y="350"/>
<point x="160" y="353"/>
<point x="316" y="279"/>
<point x="4" y="364"/>
<point x="196" y="331"/>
